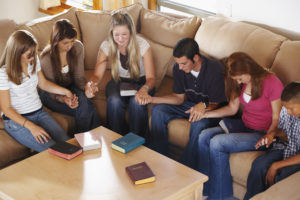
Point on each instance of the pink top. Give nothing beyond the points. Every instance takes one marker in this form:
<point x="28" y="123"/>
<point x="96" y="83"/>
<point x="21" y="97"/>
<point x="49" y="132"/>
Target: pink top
<point x="257" y="114"/>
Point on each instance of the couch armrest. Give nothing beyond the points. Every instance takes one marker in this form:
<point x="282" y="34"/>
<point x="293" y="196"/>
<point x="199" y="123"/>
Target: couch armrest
<point x="288" y="188"/>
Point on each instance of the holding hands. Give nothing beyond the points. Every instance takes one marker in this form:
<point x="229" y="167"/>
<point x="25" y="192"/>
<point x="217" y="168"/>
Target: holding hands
<point x="142" y="96"/>
<point x="265" y="140"/>
<point x="196" y="112"/>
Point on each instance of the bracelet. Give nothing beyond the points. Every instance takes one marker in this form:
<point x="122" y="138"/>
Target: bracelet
<point x="24" y="122"/>
<point x="146" y="86"/>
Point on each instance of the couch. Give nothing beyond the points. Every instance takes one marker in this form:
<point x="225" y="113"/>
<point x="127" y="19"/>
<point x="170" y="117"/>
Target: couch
<point x="217" y="37"/>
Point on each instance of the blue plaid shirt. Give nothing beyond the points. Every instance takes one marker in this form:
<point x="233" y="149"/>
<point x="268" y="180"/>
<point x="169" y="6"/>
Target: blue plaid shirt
<point x="291" y="126"/>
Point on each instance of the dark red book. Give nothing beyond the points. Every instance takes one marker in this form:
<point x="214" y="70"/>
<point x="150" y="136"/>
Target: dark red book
<point x="140" y="173"/>
<point x="65" y="150"/>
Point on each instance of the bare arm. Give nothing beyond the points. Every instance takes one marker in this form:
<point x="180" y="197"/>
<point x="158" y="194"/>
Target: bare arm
<point x="38" y="133"/>
<point x="225" y="111"/>
<point x="272" y="171"/>
<point x="268" y="138"/>
<point x="173" y="99"/>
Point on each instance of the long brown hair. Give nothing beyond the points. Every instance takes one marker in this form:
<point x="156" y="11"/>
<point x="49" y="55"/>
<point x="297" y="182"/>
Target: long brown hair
<point x="17" y="44"/>
<point x="133" y="49"/>
<point x="240" y="63"/>
<point x="62" y="29"/>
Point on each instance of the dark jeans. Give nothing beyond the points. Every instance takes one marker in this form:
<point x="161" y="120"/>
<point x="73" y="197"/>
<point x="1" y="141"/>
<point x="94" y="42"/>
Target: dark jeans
<point x="116" y="111"/>
<point x="257" y="176"/>
<point x="86" y="116"/>
<point x="161" y="115"/>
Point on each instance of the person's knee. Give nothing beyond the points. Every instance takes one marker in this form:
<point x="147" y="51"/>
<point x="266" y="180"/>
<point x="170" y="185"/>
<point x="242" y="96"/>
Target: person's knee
<point x="114" y="101"/>
<point x="204" y="137"/>
<point x="217" y="143"/>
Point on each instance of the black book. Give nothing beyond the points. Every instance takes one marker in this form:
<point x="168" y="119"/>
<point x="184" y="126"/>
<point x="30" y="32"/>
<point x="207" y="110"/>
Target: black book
<point x="65" y="150"/>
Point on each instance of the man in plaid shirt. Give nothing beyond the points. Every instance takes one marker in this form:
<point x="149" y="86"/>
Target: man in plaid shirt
<point x="279" y="163"/>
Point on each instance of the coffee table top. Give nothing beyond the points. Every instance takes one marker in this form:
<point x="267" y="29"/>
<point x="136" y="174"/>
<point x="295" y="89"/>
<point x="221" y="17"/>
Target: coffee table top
<point x="96" y="174"/>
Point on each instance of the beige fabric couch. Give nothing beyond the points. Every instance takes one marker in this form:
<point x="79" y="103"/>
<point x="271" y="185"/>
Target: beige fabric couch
<point x="217" y="37"/>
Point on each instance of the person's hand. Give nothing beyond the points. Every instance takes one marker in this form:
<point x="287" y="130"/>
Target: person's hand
<point x="265" y="140"/>
<point x="72" y="102"/>
<point x="196" y="112"/>
<point x="90" y="89"/>
<point x="142" y="96"/>
<point x="40" y="135"/>
<point x="271" y="173"/>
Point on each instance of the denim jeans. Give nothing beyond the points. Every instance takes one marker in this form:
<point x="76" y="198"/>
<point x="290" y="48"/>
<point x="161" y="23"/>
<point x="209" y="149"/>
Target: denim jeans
<point x="86" y="116"/>
<point x="257" y="176"/>
<point x="214" y="149"/>
<point x="116" y="111"/>
<point x="42" y="119"/>
<point x="161" y="115"/>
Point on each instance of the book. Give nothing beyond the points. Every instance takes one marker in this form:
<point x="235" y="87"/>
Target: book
<point x="88" y="140"/>
<point x="230" y="125"/>
<point x="128" y="89"/>
<point x="140" y="173"/>
<point x="128" y="142"/>
<point x="65" y="150"/>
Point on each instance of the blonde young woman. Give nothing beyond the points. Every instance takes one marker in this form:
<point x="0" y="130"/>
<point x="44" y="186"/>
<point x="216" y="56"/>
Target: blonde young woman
<point x="20" y="74"/>
<point x="63" y="63"/>
<point x="130" y="59"/>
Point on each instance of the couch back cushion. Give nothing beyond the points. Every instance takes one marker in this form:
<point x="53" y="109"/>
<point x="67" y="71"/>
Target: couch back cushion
<point x="162" y="57"/>
<point x="167" y="30"/>
<point x="94" y="27"/>
<point x="7" y="27"/>
<point x="287" y="62"/>
<point x="41" y="28"/>
<point x="219" y="37"/>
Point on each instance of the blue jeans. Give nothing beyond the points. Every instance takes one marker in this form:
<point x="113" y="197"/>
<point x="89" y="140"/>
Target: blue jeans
<point x="86" y="116"/>
<point x="257" y="176"/>
<point x="214" y="148"/>
<point x="42" y="119"/>
<point x="116" y="111"/>
<point x="161" y="115"/>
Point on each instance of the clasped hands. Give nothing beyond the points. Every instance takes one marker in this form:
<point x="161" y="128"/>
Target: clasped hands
<point x="90" y="89"/>
<point x="142" y="96"/>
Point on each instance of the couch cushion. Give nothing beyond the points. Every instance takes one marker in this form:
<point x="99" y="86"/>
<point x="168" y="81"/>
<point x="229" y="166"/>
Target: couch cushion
<point x="240" y="164"/>
<point x="94" y="27"/>
<point x="287" y="62"/>
<point x="179" y="132"/>
<point x="7" y="27"/>
<point x="11" y="150"/>
<point x="41" y="28"/>
<point x="162" y="57"/>
<point x="167" y="30"/>
<point x="288" y="188"/>
<point x="218" y="37"/>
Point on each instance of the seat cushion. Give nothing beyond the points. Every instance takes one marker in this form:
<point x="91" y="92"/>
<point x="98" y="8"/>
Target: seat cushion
<point x="10" y="149"/>
<point x="7" y="27"/>
<point x="219" y="37"/>
<point x="240" y="165"/>
<point x="287" y="62"/>
<point x="167" y="30"/>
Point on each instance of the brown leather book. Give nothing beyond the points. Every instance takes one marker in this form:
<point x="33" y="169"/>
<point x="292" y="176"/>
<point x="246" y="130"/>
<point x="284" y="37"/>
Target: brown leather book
<point x="140" y="173"/>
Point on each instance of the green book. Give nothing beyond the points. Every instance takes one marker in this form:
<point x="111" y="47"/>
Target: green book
<point x="128" y="142"/>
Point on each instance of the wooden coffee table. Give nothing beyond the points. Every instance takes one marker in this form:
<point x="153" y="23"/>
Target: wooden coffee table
<point x="99" y="175"/>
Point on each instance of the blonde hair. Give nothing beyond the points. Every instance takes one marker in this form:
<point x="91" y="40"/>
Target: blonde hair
<point x="133" y="49"/>
<point x="17" y="44"/>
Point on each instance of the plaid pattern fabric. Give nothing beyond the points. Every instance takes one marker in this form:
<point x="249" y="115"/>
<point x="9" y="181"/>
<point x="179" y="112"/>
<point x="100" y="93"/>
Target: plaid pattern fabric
<point x="291" y="126"/>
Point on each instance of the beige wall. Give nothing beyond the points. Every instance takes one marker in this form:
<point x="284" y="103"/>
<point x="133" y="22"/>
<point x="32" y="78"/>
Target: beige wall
<point x="19" y="10"/>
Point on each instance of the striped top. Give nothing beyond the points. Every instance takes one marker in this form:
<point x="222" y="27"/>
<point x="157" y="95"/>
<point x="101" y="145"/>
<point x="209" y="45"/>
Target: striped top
<point x="24" y="98"/>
